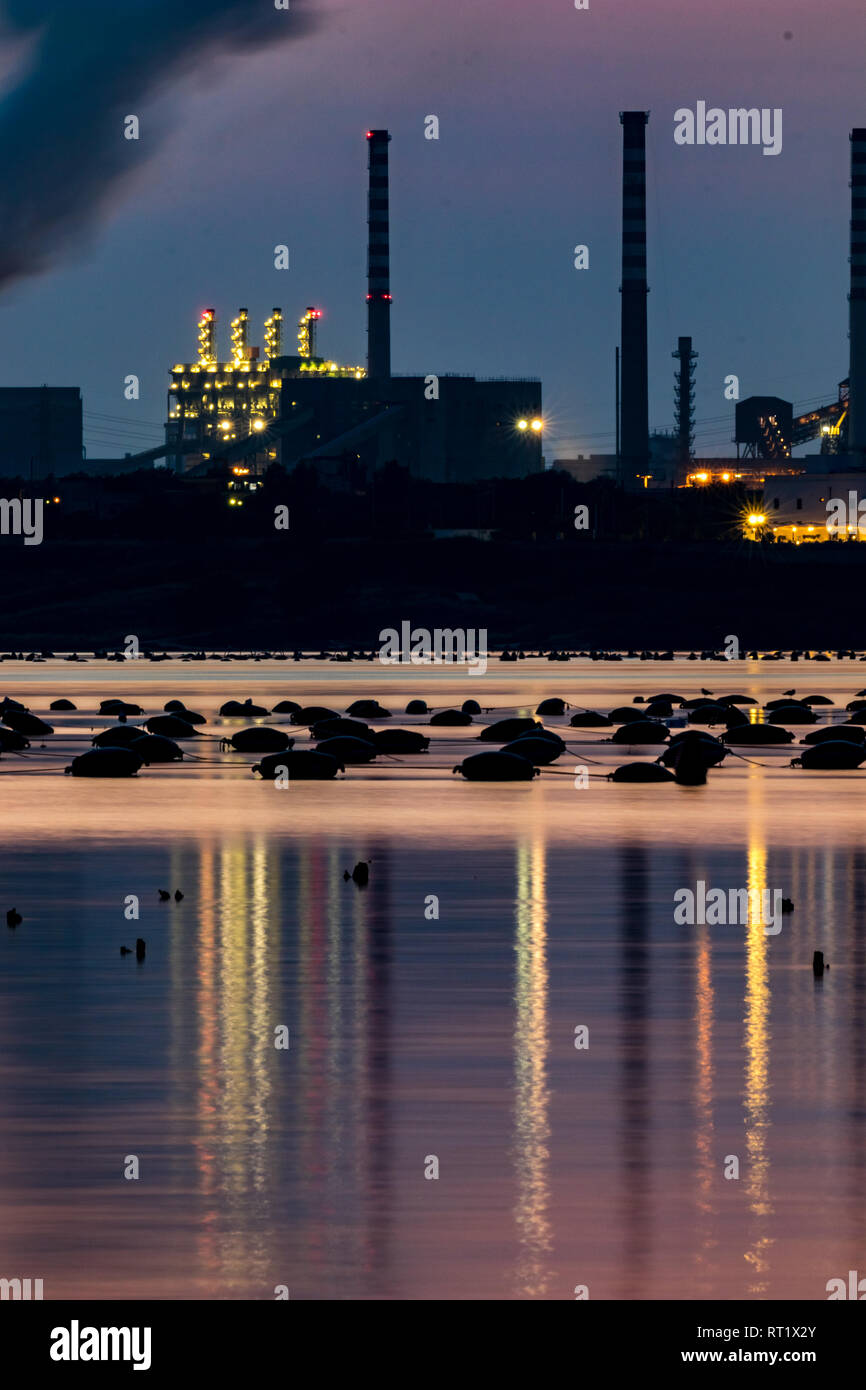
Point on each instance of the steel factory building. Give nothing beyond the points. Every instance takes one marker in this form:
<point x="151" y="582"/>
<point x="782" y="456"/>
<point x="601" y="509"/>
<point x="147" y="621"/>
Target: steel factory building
<point x="288" y="404"/>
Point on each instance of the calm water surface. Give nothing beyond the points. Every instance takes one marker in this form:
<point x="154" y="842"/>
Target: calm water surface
<point x="413" y="1037"/>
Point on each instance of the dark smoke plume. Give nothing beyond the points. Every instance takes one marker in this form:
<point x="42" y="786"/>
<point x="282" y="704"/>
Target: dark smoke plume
<point x="63" y="155"/>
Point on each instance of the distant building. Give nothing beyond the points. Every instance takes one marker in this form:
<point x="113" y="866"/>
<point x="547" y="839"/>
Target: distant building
<point x="40" y="431"/>
<point x="798" y="509"/>
<point x="256" y="410"/>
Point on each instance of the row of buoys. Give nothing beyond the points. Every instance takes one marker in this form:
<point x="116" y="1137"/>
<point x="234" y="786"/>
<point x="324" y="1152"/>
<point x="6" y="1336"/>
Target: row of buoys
<point x="349" y="654"/>
<point x="342" y="740"/>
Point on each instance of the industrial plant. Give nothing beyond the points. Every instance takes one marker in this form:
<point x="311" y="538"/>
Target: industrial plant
<point x="766" y="429"/>
<point x="257" y="407"/>
<point x="238" y="408"/>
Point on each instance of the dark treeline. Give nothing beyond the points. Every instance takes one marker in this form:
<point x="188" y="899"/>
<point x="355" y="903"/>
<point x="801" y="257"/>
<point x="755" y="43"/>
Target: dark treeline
<point x="175" y="565"/>
<point x="540" y="508"/>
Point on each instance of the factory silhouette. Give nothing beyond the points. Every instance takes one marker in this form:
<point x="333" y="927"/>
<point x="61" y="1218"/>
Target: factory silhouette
<point x="256" y="407"/>
<point x="431" y="492"/>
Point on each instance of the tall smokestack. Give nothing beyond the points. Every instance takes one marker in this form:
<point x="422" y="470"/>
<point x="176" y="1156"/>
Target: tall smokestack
<point x="378" y="259"/>
<point x="634" y="290"/>
<point x="857" y="298"/>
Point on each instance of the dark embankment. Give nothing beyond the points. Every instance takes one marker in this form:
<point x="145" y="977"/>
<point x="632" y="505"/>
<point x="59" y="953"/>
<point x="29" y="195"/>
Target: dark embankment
<point x="285" y="590"/>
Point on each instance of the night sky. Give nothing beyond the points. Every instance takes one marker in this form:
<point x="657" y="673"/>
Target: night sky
<point x="747" y="254"/>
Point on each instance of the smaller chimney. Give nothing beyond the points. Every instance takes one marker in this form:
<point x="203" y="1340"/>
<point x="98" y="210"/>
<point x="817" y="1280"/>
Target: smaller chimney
<point x="274" y="334"/>
<point x="207" y="336"/>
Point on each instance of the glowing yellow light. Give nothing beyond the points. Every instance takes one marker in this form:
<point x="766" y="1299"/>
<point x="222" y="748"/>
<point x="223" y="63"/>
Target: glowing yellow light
<point x="726" y="477"/>
<point x="537" y="425"/>
<point x="523" y="424"/>
<point x="702" y="477"/>
<point x="258" y="424"/>
<point x="755" y="519"/>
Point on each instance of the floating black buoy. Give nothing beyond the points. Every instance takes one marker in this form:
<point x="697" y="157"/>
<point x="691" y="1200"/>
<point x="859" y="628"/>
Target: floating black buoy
<point x="854" y="733"/>
<point x="153" y="748"/>
<point x="641" y="772"/>
<point x="590" y="719"/>
<point x="105" y="762"/>
<point x="25" y="723"/>
<point x="11" y="742"/>
<point x="259" y="740"/>
<point x="368" y="709"/>
<point x="758" y="735"/>
<point x="120" y="736"/>
<point x="348" y="750"/>
<point x="300" y="765"/>
<point x="538" y="751"/>
<point x="552" y="706"/>
<point x="171" y="726"/>
<point x="504" y="730"/>
<point x="623" y="714"/>
<point x="818" y="966"/>
<point x="837" y="754"/>
<point x="140" y="948"/>
<point x="496" y="767"/>
<point x="400" y="741"/>
<point x="451" y="718"/>
<point x="643" y="731"/>
<point x="13" y="918"/>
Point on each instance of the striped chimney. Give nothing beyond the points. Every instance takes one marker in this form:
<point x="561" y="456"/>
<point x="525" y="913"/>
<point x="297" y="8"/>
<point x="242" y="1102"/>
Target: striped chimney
<point x="378" y="259"/>
<point x="634" y="290"/>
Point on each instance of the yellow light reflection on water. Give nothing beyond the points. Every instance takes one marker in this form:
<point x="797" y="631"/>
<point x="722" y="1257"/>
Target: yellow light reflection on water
<point x="532" y="1099"/>
<point x="222" y="995"/>
<point x="756" y="1094"/>
<point x="707" y="1163"/>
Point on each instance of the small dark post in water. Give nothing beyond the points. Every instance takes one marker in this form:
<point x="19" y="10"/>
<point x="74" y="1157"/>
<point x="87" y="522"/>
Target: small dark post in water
<point x="818" y="963"/>
<point x="139" y="948"/>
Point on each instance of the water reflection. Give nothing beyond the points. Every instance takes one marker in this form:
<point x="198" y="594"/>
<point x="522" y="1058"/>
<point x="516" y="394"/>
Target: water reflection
<point x="705" y="1139"/>
<point x="756" y="1096"/>
<point x="531" y="1096"/>
<point x="635" y="1090"/>
<point x="223" y="1012"/>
